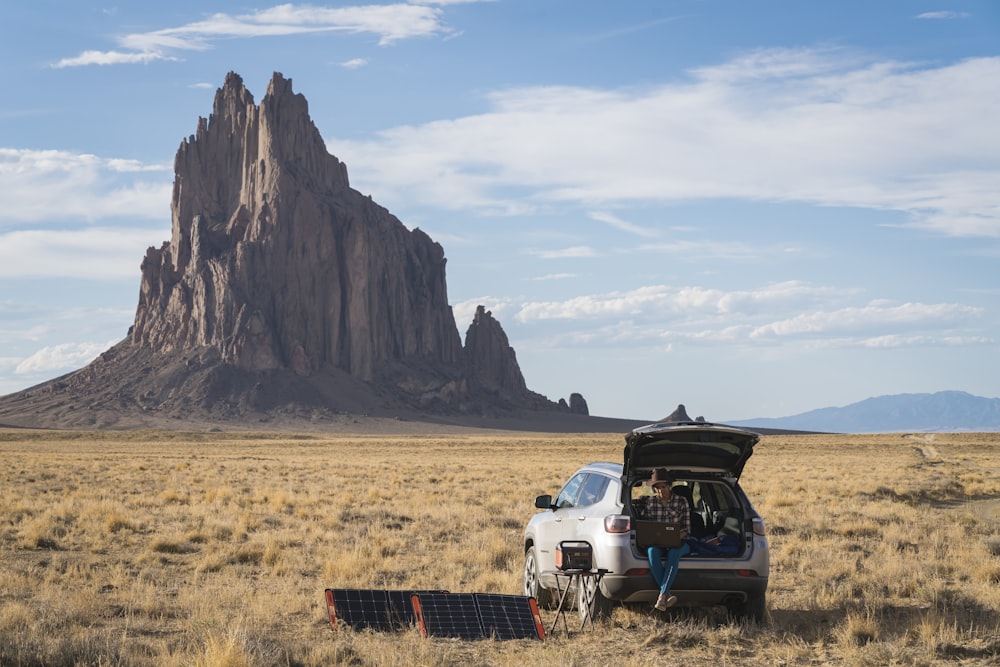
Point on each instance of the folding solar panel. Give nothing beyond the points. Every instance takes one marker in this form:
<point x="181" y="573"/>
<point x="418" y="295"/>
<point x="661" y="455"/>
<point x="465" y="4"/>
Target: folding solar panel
<point x="509" y="616"/>
<point x="451" y="615"/>
<point x="367" y="608"/>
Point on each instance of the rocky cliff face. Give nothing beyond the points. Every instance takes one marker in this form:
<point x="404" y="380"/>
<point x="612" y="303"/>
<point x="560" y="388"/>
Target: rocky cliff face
<point x="276" y="262"/>
<point x="282" y="295"/>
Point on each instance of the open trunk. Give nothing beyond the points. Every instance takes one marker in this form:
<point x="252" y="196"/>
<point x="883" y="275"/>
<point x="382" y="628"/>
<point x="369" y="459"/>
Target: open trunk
<point x="716" y="512"/>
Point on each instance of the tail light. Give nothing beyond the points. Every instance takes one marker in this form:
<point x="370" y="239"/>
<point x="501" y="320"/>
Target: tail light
<point x="616" y="523"/>
<point x="758" y="526"/>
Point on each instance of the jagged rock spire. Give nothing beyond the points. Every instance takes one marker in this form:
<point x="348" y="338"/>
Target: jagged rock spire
<point x="491" y="360"/>
<point x="276" y="262"/>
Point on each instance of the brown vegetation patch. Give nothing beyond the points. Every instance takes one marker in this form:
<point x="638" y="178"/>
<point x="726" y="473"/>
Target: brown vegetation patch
<point x="214" y="549"/>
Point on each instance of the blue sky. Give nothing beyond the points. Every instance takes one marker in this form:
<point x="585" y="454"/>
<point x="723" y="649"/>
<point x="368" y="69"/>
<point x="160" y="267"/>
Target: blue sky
<point x="752" y="208"/>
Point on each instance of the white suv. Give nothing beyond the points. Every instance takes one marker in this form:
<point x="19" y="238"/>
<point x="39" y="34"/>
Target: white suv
<point x="595" y="506"/>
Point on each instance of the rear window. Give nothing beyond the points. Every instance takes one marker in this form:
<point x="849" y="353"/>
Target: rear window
<point x="593" y="490"/>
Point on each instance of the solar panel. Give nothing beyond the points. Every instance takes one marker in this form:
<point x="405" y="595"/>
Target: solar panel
<point x="509" y="616"/>
<point x="478" y="615"/>
<point x="371" y="608"/>
<point x="452" y="615"/>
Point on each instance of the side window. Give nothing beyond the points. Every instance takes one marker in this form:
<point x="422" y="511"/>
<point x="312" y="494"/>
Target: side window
<point x="567" y="497"/>
<point x="593" y="490"/>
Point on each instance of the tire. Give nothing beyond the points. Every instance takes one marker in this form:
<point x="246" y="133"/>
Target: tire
<point x="545" y="597"/>
<point x="753" y="610"/>
<point x="591" y="603"/>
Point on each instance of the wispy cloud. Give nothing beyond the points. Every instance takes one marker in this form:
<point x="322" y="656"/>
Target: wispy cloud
<point x="94" y="253"/>
<point x="465" y="311"/>
<point x="622" y="225"/>
<point x="448" y="2"/>
<point x="660" y="302"/>
<point x="944" y="15"/>
<point x="783" y="313"/>
<point x="822" y="127"/>
<point x="390" y="23"/>
<point x="354" y="63"/>
<point x="564" y="253"/>
<point x="92" y="57"/>
<point x="38" y="185"/>
<point x="62" y="357"/>
<point x="875" y="315"/>
<point x="554" y="276"/>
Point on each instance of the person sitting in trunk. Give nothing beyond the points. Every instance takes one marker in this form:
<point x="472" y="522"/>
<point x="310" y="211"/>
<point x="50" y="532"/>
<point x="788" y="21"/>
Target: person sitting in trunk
<point x="669" y="507"/>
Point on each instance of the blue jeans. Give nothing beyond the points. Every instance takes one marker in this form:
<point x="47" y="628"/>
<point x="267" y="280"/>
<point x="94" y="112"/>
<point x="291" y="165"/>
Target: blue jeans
<point x="665" y="576"/>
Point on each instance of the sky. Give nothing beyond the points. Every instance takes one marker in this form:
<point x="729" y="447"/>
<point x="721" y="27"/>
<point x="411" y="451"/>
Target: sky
<point x="750" y="208"/>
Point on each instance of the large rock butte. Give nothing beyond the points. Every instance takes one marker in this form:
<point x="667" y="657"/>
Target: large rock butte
<point x="275" y="262"/>
<point x="282" y="288"/>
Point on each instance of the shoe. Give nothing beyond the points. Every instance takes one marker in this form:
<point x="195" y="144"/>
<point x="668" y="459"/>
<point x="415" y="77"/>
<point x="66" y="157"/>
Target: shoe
<point x="671" y="601"/>
<point x="661" y="603"/>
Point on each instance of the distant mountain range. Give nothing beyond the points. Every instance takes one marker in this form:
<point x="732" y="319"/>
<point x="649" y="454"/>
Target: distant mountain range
<point x="941" y="411"/>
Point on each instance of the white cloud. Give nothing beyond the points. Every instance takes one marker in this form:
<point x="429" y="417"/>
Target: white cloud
<point x="40" y="185"/>
<point x="554" y="276"/>
<point x="622" y="225"/>
<point x="65" y="356"/>
<point x="944" y="15"/>
<point x="111" y="58"/>
<point x="895" y="341"/>
<point x="820" y="127"/>
<point x="354" y="63"/>
<point x="664" y="302"/>
<point x="100" y="252"/>
<point x="447" y="2"/>
<point x="565" y="253"/>
<point x="465" y="311"/>
<point x="874" y="315"/>
<point x="789" y="313"/>
<point x="391" y="23"/>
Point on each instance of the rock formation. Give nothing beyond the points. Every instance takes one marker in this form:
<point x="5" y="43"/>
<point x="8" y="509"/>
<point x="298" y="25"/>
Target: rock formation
<point x="577" y="404"/>
<point x="491" y="360"/>
<point x="678" y="415"/>
<point x="275" y="262"/>
<point x="282" y="288"/>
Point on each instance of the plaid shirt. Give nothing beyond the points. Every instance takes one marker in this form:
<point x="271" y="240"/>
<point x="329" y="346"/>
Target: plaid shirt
<point x="675" y="511"/>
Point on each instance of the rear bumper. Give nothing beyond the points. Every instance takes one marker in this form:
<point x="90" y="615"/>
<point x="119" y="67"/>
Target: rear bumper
<point x="692" y="587"/>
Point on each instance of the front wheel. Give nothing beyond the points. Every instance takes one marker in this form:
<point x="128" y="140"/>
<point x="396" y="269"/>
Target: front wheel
<point x="545" y="597"/>
<point x="590" y="601"/>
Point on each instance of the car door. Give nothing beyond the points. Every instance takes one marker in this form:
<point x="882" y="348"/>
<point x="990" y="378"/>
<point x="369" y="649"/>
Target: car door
<point x="562" y="524"/>
<point x="580" y="521"/>
<point x="584" y="517"/>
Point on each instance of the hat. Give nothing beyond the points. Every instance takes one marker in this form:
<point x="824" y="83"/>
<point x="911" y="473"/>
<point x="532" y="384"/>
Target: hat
<point x="660" y="476"/>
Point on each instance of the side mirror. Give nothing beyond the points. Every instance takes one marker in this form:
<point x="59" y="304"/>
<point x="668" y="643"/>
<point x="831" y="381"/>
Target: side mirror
<point x="543" y="502"/>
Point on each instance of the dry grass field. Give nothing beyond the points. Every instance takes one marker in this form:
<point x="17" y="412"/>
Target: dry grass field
<point x="163" y="548"/>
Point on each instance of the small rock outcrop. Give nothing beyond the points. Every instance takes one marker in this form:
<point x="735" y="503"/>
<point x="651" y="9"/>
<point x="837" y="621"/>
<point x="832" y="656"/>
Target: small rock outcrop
<point x="678" y="415"/>
<point x="578" y="404"/>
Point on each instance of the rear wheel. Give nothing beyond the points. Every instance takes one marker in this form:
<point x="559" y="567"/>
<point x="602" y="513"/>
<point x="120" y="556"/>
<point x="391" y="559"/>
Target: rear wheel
<point x="590" y="601"/>
<point x="532" y="582"/>
<point x="753" y="609"/>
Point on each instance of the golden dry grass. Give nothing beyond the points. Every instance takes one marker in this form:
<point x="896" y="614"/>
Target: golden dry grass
<point x="161" y="548"/>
